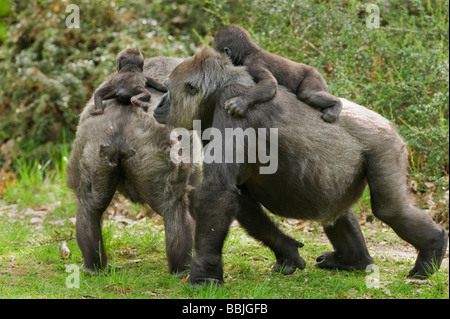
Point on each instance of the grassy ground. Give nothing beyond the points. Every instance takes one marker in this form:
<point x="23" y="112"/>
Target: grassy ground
<point x="34" y="227"/>
<point x="399" y="70"/>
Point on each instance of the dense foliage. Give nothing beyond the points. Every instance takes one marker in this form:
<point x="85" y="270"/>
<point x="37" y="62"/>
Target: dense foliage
<point x="49" y="71"/>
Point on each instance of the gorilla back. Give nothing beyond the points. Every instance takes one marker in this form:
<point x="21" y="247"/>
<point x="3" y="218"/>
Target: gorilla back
<point x="125" y="149"/>
<point x="322" y="170"/>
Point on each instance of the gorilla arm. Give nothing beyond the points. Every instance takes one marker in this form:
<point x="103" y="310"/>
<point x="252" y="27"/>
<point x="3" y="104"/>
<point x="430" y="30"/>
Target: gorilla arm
<point x="151" y="82"/>
<point x="263" y="91"/>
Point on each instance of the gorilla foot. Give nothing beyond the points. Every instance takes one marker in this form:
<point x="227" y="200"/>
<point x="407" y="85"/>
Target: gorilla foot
<point x="428" y="261"/>
<point x="138" y="103"/>
<point x="205" y="283"/>
<point x="288" y="259"/>
<point x="97" y="271"/>
<point x="330" y="118"/>
<point x="206" y="270"/>
<point x="181" y="273"/>
<point x="289" y="267"/>
<point x="331" y="114"/>
<point x="97" y="112"/>
<point x="333" y="260"/>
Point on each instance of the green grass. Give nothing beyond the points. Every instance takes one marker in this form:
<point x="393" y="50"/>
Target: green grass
<point x="31" y="265"/>
<point x="400" y="70"/>
<point x="33" y="268"/>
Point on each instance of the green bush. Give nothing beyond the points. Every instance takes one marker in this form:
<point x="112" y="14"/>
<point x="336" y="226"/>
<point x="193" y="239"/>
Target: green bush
<point x="49" y="71"/>
<point x="399" y="69"/>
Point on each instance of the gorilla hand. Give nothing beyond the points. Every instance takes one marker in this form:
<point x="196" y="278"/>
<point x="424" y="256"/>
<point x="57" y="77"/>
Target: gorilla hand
<point x="236" y="106"/>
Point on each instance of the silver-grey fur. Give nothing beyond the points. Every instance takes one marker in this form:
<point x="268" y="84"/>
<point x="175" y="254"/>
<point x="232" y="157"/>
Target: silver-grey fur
<point x="322" y="171"/>
<point x="125" y="149"/>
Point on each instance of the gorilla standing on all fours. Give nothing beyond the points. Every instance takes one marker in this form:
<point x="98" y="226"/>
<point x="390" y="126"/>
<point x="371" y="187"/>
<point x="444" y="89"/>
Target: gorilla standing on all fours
<point x="125" y="149"/>
<point x="322" y="171"/>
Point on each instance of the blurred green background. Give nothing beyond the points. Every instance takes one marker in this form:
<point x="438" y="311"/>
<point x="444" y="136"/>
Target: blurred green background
<point x="48" y="71"/>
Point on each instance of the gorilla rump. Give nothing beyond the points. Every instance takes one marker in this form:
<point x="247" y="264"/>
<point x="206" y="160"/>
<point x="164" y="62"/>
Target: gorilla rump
<point x="128" y="85"/>
<point x="125" y="149"/>
<point x="322" y="171"/>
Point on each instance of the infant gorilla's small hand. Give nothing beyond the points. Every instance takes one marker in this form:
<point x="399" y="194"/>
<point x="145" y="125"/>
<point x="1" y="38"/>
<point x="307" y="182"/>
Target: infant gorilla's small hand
<point x="236" y="106"/>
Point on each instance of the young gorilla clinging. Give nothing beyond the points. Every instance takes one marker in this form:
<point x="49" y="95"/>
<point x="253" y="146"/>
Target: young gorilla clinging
<point x="128" y="85"/>
<point x="321" y="171"/>
<point x="268" y="70"/>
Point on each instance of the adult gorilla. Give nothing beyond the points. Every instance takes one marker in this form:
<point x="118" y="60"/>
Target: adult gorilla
<point x="322" y="170"/>
<point x="125" y="149"/>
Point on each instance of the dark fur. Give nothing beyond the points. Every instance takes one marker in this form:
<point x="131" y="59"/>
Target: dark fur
<point x="268" y="70"/>
<point x="322" y="171"/>
<point x="127" y="150"/>
<point x="128" y="84"/>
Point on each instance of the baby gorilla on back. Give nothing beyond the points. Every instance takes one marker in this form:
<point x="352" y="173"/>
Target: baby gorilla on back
<point x="268" y="70"/>
<point x="128" y="85"/>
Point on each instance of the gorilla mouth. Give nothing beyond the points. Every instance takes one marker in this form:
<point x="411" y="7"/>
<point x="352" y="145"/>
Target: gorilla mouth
<point x="161" y="112"/>
<point x="158" y="112"/>
<point x="160" y="118"/>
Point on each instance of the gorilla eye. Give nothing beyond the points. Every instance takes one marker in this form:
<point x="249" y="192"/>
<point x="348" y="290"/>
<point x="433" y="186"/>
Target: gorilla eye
<point x="227" y="51"/>
<point x="191" y="89"/>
